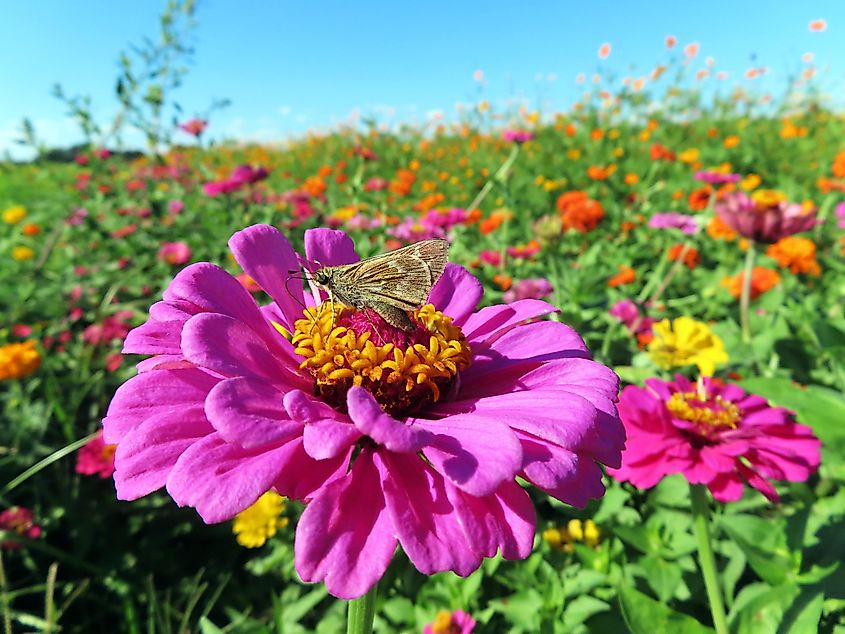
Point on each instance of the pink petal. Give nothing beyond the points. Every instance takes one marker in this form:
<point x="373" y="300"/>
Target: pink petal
<point x="329" y="247"/>
<point x="154" y="337"/>
<point x="531" y="343"/>
<point x="174" y="310"/>
<point x="327" y="433"/>
<point x="302" y="476"/>
<point x="229" y="347"/>
<point x="220" y="479"/>
<point x="476" y="452"/>
<point x="147" y="453"/>
<point x="328" y="438"/>
<point x="726" y="487"/>
<point x="456" y="293"/>
<point x="250" y="413"/>
<point x="493" y="321"/>
<point x="424" y="520"/>
<point x="152" y="393"/>
<point x="345" y="536"/>
<point x="554" y="415"/>
<point x="561" y="473"/>
<point x="268" y="258"/>
<point x="385" y="430"/>
<point x="503" y="521"/>
<point x="164" y="362"/>
<point x="213" y="290"/>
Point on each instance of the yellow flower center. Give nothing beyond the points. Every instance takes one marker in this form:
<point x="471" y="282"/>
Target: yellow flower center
<point x="768" y="197"/>
<point x="703" y="411"/>
<point x="404" y="371"/>
<point x="443" y="623"/>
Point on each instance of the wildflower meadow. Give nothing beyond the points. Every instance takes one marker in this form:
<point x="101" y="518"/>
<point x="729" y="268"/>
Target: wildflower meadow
<point x="603" y="392"/>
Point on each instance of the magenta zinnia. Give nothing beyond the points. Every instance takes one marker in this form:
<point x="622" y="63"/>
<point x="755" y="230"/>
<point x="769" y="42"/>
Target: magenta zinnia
<point x="766" y="217"/>
<point x="713" y="433"/>
<point x="388" y="436"/>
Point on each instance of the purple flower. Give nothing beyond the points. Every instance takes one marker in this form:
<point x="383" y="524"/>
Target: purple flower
<point x="239" y="399"/>
<point x="240" y="177"/>
<point x="717" y="178"/>
<point x="840" y="213"/>
<point x="433" y="224"/>
<point x="674" y="220"/>
<point x="536" y="288"/>
<point x="517" y="136"/>
<point x="628" y="313"/>
<point x="764" y="221"/>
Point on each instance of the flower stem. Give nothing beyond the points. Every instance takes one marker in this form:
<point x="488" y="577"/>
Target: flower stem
<point x="701" y="526"/>
<point x="745" y="298"/>
<point x="361" y="613"/>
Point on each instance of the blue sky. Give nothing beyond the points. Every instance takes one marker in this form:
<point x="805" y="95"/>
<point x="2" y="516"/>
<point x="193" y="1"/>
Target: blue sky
<point x="288" y="67"/>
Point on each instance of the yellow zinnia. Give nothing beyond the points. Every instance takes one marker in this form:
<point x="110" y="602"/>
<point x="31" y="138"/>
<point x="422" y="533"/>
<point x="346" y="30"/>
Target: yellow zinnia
<point x="22" y="253"/>
<point x="13" y="215"/>
<point x="256" y="524"/>
<point x="684" y="341"/>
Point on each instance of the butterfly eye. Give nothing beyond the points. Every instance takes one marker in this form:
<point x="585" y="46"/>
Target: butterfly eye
<point x="321" y="277"/>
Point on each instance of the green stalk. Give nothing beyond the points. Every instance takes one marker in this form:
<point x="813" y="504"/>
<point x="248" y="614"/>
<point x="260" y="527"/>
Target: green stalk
<point x="745" y="298"/>
<point x="701" y="527"/>
<point x="361" y="613"/>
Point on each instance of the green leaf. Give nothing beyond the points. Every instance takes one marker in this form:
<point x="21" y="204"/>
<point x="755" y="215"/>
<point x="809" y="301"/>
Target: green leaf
<point x="760" y="609"/>
<point x="207" y="627"/>
<point x="582" y="608"/>
<point x="644" y="615"/>
<point x="663" y="576"/>
<point x="763" y="541"/>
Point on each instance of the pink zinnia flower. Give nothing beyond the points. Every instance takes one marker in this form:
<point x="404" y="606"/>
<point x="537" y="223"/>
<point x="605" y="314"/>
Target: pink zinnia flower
<point x="534" y="288"/>
<point x="839" y="211"/>
<point x="457" y="622"/>
<point x="112" y="328"/>
<point x="713" y="433"/>
<point x="175" y="207"/>
<point x="174" y="253"/>
<point x="628" y="313"/>
<point x="96" y="458"/>
<point x="20" y="520"/>
<point x="240" y="177"/>
<point x="230" y="407"/>
<point x="674" y="220"/>
<point x="195" y="126"/>
<point x="717" y="178"/>
<point x="375" y="184"/>
<point x="517" y="136"/>
<point x="765" y="223"/>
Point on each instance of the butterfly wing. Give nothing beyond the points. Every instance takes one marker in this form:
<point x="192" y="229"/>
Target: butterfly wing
<point x="402" y="278"/>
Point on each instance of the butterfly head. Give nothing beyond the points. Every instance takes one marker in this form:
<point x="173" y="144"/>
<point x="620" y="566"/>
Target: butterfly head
<point x="323" y="276"/>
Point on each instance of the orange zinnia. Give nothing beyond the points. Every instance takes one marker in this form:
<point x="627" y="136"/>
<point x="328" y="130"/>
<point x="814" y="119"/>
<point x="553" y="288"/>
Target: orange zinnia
<point x="579" y="212"/>
<point x="719" y="230"/>
<point x="691" y="258"/>
<point x="626" y="275"/>
<point x="699" y="198"/>
<point x="796" y="254"/>
<point x="762" y="280"/>
<point x="838" y="168"/>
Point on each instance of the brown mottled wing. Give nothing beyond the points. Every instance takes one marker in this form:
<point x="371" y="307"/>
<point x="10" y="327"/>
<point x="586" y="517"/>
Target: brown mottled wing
<point x="402" y="278"/>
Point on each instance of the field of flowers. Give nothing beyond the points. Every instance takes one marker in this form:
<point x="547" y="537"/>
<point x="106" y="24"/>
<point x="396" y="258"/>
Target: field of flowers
<point x="697" y="249"/>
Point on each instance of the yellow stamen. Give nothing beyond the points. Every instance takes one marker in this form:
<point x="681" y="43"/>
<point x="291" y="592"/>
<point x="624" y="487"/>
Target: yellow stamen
<point x="690" y="406"/>
<point x="402" y="379"/>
